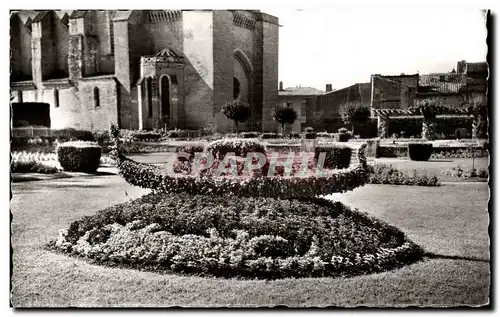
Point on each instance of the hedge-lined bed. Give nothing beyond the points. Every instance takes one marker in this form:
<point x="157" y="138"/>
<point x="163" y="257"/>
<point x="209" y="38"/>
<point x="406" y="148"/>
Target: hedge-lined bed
<point x="244" y="237"/>
<point x="440" y="152"/>
<point x="245" y="225"/>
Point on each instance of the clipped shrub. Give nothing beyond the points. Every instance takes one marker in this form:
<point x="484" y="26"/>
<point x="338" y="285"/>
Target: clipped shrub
<point x="310" y="135"/>
<point x="191" y="149"/>
<point x="79" y="156"/>
<point x="182" y="165"/>
<point x="419" y="151"/>
<point x="343" y="135"/>
<point x="337" y="156"/>
<point x="240" y="147"/>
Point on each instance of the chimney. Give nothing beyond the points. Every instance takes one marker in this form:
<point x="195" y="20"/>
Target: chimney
<point x="328" y="87"/>
<point x="281" y="86"/>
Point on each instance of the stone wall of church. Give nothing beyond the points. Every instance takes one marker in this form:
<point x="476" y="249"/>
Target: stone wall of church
<point x="98" y="116"/>
<point x="199" y="68"/>
<point x="270" y="46"/>
<point x="20" y="46"/>
<point x="167" y="34"/>
<point x="224" y="42"/>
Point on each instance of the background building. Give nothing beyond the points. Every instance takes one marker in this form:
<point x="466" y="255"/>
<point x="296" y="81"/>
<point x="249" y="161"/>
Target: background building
<point x="296" y="98"/>
<point x="142" y="69"/>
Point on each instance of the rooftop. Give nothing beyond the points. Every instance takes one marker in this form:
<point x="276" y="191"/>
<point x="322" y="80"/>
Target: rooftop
<point x="300" y="91"/>
<point x="444" y="83"/>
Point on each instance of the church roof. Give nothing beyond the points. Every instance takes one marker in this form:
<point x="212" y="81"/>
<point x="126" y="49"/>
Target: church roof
<point x="40" y="16"/>
<point x="78" y="14"/>
<point x="300" y="91"/>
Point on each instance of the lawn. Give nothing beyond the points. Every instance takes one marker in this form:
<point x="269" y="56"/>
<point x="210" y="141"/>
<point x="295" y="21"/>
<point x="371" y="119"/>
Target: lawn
<point x="449" y="221"/>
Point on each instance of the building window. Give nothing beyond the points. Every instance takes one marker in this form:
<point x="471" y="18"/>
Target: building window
<point x="165" y="97"/>
<point x="56" y="98"/>
<point x="236" y="88"/>
<point x="149" y="92"/>
<point x="97" y="101"/>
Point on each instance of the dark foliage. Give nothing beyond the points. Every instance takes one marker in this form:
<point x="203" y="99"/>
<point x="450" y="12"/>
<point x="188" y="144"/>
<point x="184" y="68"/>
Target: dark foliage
<point x="337" y="157"/>
<point x="79" y="156"/>
<point x="419" y="151"/>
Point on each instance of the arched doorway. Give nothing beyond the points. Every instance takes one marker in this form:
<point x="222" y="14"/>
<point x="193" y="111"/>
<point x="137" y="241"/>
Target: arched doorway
<point x="165" y="99"/>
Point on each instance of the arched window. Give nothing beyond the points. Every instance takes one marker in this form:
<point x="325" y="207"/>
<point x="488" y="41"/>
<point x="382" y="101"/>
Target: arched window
<point x="165" y="96"/>
<point x="97" y="101"/>
<point x="56" y="98"/>
<point x="149" y="92"/>
<point x="236" y="88"/>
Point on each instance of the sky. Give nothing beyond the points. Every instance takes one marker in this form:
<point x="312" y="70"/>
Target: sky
<point x="343" y="46"/>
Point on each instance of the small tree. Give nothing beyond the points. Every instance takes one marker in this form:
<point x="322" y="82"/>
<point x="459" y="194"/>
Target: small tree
<point x="284" y="115"/>
<point x="354" y="113"/>
<point x="164" y="121"/>
<point x="478" y="110"/>
<point x="237" y="111"/>
<point x="429" y="108"/>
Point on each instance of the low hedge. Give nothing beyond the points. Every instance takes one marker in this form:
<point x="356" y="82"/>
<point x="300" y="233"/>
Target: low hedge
<point x="419" y="151"/>
<point x="20" y="166"/>
<point x="387" y="174"/>
<point x="250" y="237"/>
<point x="270" y="135"/>
<point x="337" y="156"/>
<point x="459" y="172"/>
<point x="154" y="177"/>
<point x="147" y="136"/>
<point x="250" y="135"/>
<point x="79" y="156"/>
<point x="240" y="147"/>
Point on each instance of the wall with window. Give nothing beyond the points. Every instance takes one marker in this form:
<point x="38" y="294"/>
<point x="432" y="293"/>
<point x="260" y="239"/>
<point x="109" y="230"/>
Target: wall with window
<point x="99" y="103"/>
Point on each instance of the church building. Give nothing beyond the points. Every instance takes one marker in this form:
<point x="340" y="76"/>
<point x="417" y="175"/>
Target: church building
<point x="142" y="69"/>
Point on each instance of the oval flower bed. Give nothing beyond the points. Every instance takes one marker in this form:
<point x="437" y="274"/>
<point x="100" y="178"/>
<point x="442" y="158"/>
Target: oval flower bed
<point x="232" y="236"/>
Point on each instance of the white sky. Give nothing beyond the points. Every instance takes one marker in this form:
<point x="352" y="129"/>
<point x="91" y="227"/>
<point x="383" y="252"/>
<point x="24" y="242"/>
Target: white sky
<point x="343" y="46"/>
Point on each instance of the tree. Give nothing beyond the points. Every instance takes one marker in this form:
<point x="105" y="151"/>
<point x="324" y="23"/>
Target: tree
<point x="354" y="113"/>
<point x="164" y="121"/>
<point x="237" y="111"/>
<point x="477" y="108"/>
<point x="429" y="108"/>
<point x="284" y="115"/>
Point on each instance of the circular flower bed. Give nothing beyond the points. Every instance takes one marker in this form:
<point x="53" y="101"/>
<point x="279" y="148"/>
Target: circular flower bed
<point x="231" y="236"/>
